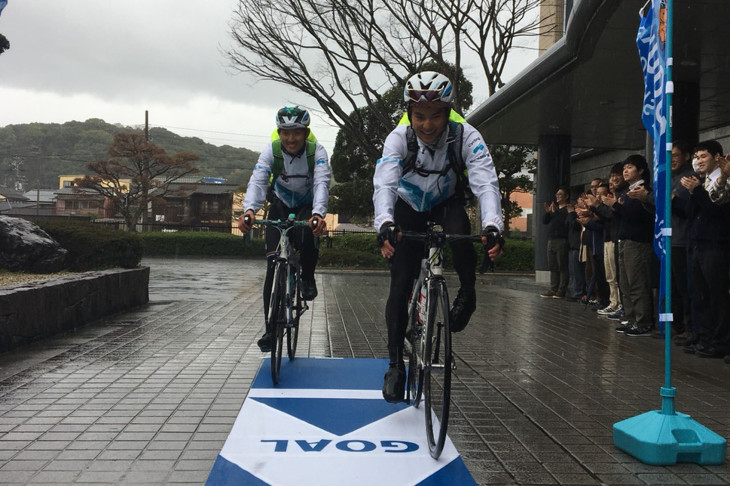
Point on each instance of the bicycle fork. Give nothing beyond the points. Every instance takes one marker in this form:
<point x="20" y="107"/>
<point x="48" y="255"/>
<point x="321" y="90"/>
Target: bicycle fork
<point x="292" y="308"/>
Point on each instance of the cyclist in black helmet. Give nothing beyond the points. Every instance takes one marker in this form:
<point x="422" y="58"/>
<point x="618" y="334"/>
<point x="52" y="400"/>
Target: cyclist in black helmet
<point x="301" y="179"/>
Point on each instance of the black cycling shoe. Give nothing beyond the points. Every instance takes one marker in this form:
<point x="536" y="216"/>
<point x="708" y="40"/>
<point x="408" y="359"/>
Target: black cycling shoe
<point x="309" y="289"/>
<point x="394" y="383"/>
<point x="464" y="306"/>
<point x="265" y="342"/>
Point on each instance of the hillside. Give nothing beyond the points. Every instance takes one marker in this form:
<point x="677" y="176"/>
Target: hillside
<point x="37" y="153"/>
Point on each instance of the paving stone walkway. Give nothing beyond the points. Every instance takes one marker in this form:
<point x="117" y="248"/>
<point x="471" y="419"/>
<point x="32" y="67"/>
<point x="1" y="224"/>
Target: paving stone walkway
<point x="149" y="396"/>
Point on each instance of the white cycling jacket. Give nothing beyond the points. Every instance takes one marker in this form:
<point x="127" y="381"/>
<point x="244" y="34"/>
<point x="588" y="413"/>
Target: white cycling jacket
<point x="423" y="193"/>
<point x="293" y="191"/>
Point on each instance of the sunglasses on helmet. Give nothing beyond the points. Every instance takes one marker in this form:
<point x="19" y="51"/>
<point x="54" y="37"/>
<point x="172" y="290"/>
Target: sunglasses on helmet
<point x="424" y="95"/>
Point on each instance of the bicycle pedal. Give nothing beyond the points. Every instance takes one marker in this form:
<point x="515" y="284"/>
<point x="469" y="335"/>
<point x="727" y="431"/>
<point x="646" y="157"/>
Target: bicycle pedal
<point x="437" y="366"/>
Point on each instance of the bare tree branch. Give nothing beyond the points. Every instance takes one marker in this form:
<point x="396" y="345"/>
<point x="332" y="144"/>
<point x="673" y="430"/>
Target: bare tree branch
<point x="346" y="54"/>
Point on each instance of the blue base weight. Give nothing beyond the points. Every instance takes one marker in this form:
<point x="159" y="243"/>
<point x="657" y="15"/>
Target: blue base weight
<point x="662" y="439"/>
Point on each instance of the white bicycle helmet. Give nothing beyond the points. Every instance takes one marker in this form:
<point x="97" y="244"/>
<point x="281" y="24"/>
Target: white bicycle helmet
<point x="428" y="86"/>
<point x="291" y="117"/>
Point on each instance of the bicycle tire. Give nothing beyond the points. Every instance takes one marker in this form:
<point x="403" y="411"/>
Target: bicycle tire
<point x="437" y="367"/>
<point x="416" y="341"/>
<point x="292" y="333"/>
<point x="277" y="315"/>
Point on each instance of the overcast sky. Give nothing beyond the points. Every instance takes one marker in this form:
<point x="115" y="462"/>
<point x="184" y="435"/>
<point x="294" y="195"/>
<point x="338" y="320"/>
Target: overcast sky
<point x="114" y="59"/>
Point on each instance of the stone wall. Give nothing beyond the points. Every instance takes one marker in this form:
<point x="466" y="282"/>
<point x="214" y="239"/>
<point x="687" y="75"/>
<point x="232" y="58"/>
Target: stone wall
<point x="36" y="310"/>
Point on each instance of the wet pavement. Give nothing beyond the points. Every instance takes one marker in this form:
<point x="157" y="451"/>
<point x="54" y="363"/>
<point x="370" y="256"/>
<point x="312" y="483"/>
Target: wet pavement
<point x="149" y="396"/>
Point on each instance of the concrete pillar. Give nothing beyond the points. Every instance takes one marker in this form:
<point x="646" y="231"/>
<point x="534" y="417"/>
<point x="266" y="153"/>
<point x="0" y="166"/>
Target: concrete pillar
<point x="553" y="171"/>
<point x="686" y="111"/>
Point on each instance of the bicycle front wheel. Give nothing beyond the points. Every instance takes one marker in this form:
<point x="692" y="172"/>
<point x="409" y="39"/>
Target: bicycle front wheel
<point x="292" y="330"/>
<point x="437" y="367"/>
<point x="277" y="319"/>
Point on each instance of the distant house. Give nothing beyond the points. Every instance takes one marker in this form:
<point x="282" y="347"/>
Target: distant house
<point x="41" y="202"/>
<point x="195" y="203"/>
<point x="189" y="203"/>
<point x="11" y="200"/>
<point x="72" y="200"/>
<point x="77" y="201"/>
<point x="523" y="222"/>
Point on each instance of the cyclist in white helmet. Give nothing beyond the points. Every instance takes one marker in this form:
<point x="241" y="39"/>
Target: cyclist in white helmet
<point x="406" y="198"/>
<point x="300" y="187"/>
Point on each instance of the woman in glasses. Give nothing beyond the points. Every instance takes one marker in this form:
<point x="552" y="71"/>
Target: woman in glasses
<point x="429" y="161"/>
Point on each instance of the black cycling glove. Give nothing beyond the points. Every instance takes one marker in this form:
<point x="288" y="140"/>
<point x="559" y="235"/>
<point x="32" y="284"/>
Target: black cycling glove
<point x="388" y="232"/>
<point x="493" y="237"/>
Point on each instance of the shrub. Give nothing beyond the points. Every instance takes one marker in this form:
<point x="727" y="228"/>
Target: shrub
<point x="196" y="243"/>
<point x="349" y="257"/>
<point x="93" y="246"/>
<point x="361" y="250"/>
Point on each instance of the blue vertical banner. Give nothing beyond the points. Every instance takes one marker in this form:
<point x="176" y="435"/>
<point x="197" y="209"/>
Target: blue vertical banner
<point x="2" y="5"/>
<point x="652" y="43"/>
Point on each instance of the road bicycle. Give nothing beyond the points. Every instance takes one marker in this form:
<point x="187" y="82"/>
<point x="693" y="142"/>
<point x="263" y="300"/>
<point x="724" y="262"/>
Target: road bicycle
<point x="428" y="337"/>
<point x="286" y="304"/>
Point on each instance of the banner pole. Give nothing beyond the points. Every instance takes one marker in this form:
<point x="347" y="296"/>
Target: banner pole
<point x="663" y="437"/>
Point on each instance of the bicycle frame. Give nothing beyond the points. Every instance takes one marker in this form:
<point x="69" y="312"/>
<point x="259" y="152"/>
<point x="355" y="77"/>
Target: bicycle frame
<point x="428" y="340"/>
<point x="285" y="294"/>
<point x="287" y="254"/>
<point x="431" y="270"/>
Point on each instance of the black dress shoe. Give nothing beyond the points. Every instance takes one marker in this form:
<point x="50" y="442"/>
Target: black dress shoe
<point x="709" y="352"/>
<point x="689" y="348"/>
<point x="684" y="340"/>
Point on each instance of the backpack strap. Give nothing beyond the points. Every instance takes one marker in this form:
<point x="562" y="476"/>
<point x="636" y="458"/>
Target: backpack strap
<point x="456" y="157"/>
<point x="456" y="160"/>
<point x="278" y="165"/>
<point x="409" y="161"/>
<point x="311" y="149"/>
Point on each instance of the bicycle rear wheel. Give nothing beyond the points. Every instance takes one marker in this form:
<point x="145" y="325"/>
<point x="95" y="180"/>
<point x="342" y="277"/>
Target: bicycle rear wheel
<point x="437" y="367"/>
<point x="277" y="318"/>
<point x="415" y="343"/>
<point x="292" y="332"/>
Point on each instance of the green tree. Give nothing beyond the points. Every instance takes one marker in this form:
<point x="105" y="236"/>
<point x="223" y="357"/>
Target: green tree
<point x="4" y="44"/>
<point x="136" y="172"/>
<point x="512" y="163"/>
<point x="353" y="166"/>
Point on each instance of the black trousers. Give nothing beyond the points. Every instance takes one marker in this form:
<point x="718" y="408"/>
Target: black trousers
<point x="680" y="290"/>
<point x="303" y="240"/>
<point x="406" y="262"/>
<point x="710" y="301"/>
